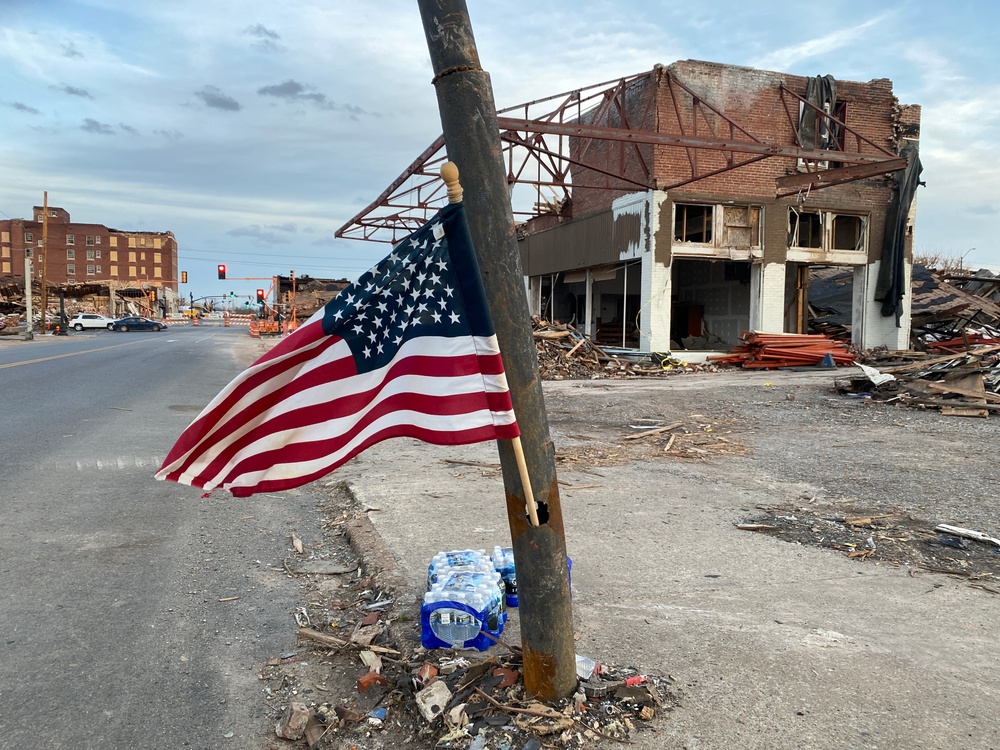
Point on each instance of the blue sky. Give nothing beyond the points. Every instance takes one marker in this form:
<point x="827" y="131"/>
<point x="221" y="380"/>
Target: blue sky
<point x="254" y="129"/>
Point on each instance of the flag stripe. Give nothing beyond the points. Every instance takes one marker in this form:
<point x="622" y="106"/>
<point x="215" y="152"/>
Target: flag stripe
<point x="261" y="392"/>
<point x="266" y="389"/>
<point x="267" y="460"/>
<point x="342" y="416"/>
<point x="298" y="475"/>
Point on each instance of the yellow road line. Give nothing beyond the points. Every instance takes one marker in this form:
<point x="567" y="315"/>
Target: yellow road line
<point x="71" y="354"/>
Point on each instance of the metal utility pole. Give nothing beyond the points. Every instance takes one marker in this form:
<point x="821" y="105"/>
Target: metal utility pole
<point x="471" y="133"/>
<point x="45" y="255"/>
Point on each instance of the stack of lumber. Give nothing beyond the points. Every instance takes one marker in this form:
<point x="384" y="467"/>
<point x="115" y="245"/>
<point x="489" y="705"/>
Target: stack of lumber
<point x="769" y="351"/>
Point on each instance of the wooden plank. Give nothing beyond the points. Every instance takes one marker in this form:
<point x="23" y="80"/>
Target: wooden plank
<point x="941" y="388"/>
<point x="963" y="411"/>
<point x="937" y="360"/>
<point x="656" y="431"/>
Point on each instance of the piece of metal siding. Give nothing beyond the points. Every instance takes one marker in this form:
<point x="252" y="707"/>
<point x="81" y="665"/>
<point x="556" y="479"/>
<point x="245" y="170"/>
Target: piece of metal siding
<point x="590" y="241"/>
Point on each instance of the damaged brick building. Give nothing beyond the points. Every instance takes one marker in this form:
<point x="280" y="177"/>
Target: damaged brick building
<point x="91" y="260"/>
<point x="677" y="208"/>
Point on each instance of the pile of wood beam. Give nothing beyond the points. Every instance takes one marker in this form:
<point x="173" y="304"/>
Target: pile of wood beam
<point x="566" y="354"/>
<point x="770" y="351"/>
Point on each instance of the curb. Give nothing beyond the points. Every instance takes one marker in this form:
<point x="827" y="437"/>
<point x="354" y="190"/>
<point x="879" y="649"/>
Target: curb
<point x="371" y="550"/>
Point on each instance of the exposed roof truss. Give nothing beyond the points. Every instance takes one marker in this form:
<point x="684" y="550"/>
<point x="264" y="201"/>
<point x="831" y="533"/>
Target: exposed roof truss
<point x="535" y="139"/>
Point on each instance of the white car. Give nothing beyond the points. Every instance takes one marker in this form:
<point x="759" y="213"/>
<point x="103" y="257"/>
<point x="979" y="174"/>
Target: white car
<point x="90" y="320"/>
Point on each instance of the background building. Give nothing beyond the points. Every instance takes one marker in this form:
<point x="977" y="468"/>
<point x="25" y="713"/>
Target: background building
<point x="87" y="253"/>
<point x="114" y="271"/>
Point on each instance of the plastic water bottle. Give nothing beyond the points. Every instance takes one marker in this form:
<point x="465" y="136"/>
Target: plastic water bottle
<point x="466" y="559"/>
<point x="503" y="563"/>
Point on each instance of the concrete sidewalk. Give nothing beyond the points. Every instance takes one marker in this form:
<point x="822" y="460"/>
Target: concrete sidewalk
<point x="771" y="644"/>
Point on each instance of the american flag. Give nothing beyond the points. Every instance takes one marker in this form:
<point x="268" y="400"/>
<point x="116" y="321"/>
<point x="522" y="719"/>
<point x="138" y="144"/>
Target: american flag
<point x="408" y="350"/>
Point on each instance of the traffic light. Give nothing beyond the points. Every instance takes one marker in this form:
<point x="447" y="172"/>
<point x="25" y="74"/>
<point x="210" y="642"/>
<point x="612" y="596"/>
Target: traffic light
<point x="260" y="296"/>
<point x="222" y="270"/>
<point x="184" y="277"/>
<point x="152" y="295"/>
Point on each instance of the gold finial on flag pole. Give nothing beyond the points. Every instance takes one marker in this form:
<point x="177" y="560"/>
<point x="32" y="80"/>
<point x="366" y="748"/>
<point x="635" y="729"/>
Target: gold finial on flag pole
<point x="449" y="173"/>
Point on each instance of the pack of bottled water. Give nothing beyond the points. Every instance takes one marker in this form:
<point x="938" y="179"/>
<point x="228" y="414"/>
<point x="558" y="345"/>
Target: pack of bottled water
<point x="459" y="605"/>
<point x="503" y="563"/>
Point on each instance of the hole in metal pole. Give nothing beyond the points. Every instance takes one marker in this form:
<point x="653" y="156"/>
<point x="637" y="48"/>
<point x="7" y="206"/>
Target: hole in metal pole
<point x="542" y="509"/>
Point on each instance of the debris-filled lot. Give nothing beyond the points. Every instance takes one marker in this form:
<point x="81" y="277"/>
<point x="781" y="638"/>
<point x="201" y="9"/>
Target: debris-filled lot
<point x="728" y="530"/>
<point x="360" y="678"/>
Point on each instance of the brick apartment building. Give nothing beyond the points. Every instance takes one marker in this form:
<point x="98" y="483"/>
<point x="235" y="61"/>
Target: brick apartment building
<point x="691" y="202"/>
<point x="87" y="253"/>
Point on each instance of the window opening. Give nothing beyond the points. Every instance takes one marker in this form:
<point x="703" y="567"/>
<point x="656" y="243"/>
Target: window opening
<point x="692" y="223"/>
<point x="849" y="232"/>
<point x="806" y="229"/>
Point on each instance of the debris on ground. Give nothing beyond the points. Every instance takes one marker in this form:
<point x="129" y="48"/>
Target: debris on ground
<point x="771" y="351"/>
<point x="886" y="537"/>
<point x="360" y="677"/>
<point x="564" y="353"/>
<point x="696" y="438"/>
<point x="965" y="384"/>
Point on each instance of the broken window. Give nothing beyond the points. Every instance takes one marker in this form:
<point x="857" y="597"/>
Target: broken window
<point x="71" y="269"/>
<point x="805" y="228"/>
<point x="849" y="232"/>
<point x="741" y="226"/>
<point x="70" y="239"/>
<point x="90" y="255"/>
<point x="28" y="237"/>
<point x="692" y="223"/>
<point x="826" y="230"/>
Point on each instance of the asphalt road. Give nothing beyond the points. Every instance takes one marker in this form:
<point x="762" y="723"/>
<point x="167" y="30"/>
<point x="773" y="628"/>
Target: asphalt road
<point x="115" y="629"/>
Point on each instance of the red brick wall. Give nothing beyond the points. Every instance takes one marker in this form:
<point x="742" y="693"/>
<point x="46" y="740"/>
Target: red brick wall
<point x="752" y="99"/>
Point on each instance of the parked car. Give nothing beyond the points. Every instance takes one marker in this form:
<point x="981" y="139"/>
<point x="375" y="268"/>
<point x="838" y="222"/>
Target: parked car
<point x="90" y="320"/>
<point x="137" y="324"/>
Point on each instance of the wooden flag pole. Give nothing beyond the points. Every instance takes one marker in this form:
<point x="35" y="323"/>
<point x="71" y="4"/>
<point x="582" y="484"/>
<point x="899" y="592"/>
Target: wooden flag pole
<point x="522" y="467"/>
<point x="449" y="173"/>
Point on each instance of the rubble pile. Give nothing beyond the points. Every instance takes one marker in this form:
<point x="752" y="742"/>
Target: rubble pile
<point x="566" y="354"/>
<point x="361" y="677"/>
<point x="965" y="384"/>
<point x="888" y="537"/>
<point x="450" y="699"/>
